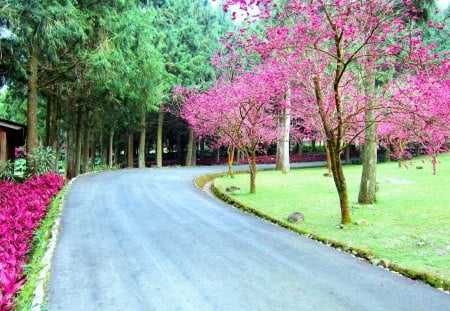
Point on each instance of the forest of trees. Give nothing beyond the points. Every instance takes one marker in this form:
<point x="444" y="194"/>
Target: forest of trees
<point x="95" y="78"/>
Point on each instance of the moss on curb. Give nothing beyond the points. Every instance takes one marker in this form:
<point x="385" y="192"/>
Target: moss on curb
<point x="363" y="253"/>
<point x="202" y="180"/>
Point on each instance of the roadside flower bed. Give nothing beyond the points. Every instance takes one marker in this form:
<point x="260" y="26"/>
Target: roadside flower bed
<point x="22" y="206"/>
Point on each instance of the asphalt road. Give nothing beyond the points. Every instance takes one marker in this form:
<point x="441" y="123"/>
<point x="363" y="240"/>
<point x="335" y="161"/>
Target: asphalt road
<point x="150" y="240"/>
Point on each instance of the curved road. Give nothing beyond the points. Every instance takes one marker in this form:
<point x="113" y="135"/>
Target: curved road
<point x="150" y="240"/>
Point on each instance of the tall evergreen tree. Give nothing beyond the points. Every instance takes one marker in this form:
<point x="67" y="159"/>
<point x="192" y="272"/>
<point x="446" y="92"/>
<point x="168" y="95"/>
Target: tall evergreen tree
<point x="43" y="33"/>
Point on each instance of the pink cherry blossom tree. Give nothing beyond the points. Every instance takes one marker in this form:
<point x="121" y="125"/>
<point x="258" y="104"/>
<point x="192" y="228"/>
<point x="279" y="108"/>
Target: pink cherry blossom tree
<point x="419" y="112"/>
<point x="338" y="45"/>
<point x="239" y="113"/>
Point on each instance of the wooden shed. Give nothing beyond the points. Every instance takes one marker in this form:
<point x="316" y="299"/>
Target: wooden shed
<point x="12" y="135"/>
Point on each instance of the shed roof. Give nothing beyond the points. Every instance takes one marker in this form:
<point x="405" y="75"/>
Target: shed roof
<point x="11" y="125"/>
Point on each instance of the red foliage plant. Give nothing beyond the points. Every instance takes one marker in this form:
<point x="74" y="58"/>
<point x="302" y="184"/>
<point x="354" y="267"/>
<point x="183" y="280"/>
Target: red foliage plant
<point x="22" y="207"/>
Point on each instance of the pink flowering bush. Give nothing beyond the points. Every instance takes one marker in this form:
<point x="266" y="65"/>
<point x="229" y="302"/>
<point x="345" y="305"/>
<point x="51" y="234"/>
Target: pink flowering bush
<point x="22" y="206"/>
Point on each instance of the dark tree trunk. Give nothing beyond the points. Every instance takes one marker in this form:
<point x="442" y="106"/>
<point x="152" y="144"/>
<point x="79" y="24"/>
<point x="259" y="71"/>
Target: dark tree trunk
<point x="93" y="152"/>
<point x="191" y="155"/>
<point x="78" y="140"/>
<point x="179" y="153"/>
<point x="117" y="155"/>
<point x="70" y="152"/>
<point x="417" y="150"/>
<point x="130" y="149"/>
<point x="253" y="171"/>
<point x="159" y="138"/>
<point x="387" y="154"/>
<point x="300" y="148"/>
<point x="103" y="149"/>
<point x="48" y="117"/>
<point x="202" y="149"/>
<point x="313" y="145"/>
<point x="32" y="103"/>
<point x="54" y="140"/>
<point x="194" y="152"/>
<point x="401" y="157"/>
<point x="85" y="147"/>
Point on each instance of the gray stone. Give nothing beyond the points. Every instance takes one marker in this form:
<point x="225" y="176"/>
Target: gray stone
<point x="232" y="188"/>
<point x="296" y="217"/>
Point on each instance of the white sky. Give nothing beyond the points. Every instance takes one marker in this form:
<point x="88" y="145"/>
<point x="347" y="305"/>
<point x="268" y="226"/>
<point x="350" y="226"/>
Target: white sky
<point x="442" y="4"/>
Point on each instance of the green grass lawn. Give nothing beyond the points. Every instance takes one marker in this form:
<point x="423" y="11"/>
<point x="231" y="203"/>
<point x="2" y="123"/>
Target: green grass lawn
<point x="409" y="225"/>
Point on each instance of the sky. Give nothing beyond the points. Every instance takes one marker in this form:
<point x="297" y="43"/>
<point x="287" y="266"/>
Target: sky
<point x="442" y="4"/>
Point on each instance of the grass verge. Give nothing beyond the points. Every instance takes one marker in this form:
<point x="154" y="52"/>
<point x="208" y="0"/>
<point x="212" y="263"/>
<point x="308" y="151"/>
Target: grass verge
<point x="41" y="241"/>
<point x="406" y="231"/>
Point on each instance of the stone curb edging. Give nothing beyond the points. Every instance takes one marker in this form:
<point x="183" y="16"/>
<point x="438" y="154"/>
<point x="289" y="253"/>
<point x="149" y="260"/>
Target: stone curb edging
<point x="435" y="281"/>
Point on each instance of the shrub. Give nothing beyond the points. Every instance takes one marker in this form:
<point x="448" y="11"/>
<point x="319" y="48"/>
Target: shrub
<point x="7" y="170"/>
<point x="41" y="161"/>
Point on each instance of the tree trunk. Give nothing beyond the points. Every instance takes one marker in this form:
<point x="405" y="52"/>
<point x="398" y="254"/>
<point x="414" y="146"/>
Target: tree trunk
<point x="32" y="103"/>
<point x="230" y="153"/>
<point x="48" y="117"/>
<point x="130" y="149"/>
<point x="327" y="151"/>
<point x="239" y="158"/>
<point x="367" y="187"/>
<point x="286" y="167"/>
<point x="194" y="152"/>
<point x="279" y="155"/>
<point x="417" y="150"/>
<point x="179" y="153"/>
<point x="159" y="138"/>
<point x="387" y="155"/>
<point x="347" y="155"/>
<point x="191" y="150"/>
<point x="142" y="140"/>
<point x="401" y="154"/>
<point x="313" y="145"/>
<point x="86" y="145"/>
<point x="93" y="153"/>
<point x="300" y="148"/>
<point x="103" y="149"/>
<point x="340" y="183"/>
<point x="78" y="140"/>
<point x="202" y="149"/>
<point x="253" y="171"/>
<point x="111" y="148"/>
<point x="117" y="155"/>
<point x="54" y="129"/>
<point x="70" y="152"/>
<point x="332" y="144"/>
